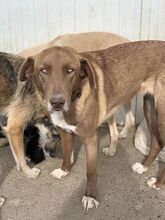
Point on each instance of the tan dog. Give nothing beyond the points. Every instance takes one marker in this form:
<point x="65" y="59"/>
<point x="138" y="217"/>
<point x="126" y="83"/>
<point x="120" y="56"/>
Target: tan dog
<point x="81" y="91"/>
<point x="89" y="42"/>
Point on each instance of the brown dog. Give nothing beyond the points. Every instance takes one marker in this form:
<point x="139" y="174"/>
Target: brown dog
<point x="81" y="91"/>
<point x="26" y="102"/>
<point x="92" y="41"/>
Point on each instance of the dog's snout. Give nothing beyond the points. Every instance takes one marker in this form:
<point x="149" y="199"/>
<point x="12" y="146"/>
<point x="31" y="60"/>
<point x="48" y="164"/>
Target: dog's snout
<point x="57" y="102"/>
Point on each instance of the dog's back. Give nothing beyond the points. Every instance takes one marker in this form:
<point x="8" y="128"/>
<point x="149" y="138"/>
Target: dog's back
<point x="9" y="65"/>
<point x="132" y="63"/>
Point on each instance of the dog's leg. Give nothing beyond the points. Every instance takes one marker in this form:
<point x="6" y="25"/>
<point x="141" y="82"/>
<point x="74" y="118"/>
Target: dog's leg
<point x="67" y="140"/>
<point x="89" y="200"/>
<point x="114" y="137"/>
<point x="156" y="182"/>
<point x="16" y="144"/>
<point x="156" y="143"/>
<point x="129" y="121"/>
<point x="14" y="128"/>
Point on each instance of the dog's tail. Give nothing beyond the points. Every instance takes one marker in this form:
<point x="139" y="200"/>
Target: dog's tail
<point x="151" y="115"/>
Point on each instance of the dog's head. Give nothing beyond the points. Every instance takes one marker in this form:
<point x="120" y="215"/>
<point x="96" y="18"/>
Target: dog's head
<point x="58" y="73"/>
<point x="49" y="137"/>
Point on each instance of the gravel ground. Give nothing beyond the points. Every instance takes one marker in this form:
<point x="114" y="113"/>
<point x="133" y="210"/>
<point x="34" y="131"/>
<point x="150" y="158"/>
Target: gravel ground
<point x="123" y="195"/>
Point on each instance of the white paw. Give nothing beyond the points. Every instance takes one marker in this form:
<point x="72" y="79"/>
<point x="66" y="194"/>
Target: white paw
<point x="123" y="134"/>
<point x="109" y="151"/>
<point x="33" y="173"/>
<point x="151" y="183"/>
<point x="139" y="168"/>
<point x="89" y="202"/>
<point x="2" y="201"/>
<point x="59" y="173"/>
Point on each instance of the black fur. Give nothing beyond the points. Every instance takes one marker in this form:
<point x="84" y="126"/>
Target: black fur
<point x="31" y="143"/>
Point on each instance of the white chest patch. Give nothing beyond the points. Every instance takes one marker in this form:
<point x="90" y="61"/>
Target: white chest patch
<point x="59" y="121"/>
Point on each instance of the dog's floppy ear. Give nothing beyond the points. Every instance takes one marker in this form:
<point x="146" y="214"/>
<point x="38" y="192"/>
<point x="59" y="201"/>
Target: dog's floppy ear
<point x="87" y="71"/>
<point x="26" y="69"/>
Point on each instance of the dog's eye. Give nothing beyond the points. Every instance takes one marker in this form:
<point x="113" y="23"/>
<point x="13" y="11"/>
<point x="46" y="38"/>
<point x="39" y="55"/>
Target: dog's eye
<point x="44" y="70"/>
<point x="70" y="70"/>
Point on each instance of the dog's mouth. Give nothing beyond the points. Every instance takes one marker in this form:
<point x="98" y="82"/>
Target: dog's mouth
<point x="57" y="109"/>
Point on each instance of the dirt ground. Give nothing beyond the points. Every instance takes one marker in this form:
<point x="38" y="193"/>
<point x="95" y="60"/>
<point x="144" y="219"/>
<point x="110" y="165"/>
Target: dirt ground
<point x="123" y="195"/>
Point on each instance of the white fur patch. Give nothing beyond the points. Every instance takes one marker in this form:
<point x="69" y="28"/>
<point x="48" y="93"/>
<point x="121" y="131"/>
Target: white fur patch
<point x="59" y="120"/>
<point x="89" y="202"/>
<point x="33" y="173"/>
<point x="2" y="201"/>
<point x="151" y="183"/>
<point x="59" y="173"/>
<point x="44" y="140"/>
<point x="139" y="168"/>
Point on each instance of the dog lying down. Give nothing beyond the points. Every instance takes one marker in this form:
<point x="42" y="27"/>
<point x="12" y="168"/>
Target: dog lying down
<point x="85" y="89"/>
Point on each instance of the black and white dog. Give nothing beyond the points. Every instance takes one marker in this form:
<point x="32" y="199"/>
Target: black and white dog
<point x="41" y="139"/>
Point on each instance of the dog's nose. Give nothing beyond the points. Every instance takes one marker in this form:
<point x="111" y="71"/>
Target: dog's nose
<point x="57" y="102"/>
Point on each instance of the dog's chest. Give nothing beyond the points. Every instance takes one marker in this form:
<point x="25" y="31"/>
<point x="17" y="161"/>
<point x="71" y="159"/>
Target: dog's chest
<point x="59" y="121"/>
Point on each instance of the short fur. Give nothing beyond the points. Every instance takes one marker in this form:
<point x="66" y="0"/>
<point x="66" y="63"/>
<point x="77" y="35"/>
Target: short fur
<point x="9" y="92"/>
<point x="106" y="80"/>
<point x="92" y="41"/>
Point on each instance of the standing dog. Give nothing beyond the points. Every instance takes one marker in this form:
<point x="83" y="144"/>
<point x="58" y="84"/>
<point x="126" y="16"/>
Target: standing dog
<point x="92" y="41"/>
<point x="83" y="90"/>
<point x="41" y="138"/>
<point x="27" y="101"/>
<point x="39" y="133"/>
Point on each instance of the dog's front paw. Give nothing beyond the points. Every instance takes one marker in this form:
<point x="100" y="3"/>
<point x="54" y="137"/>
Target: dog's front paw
<point x="151" y="182"/>
<point x="59" y="173"/>
<point x="89" y="202"/>
<point x="139" y="168"/>
<point x="33" y="173"/>
<point x="2" y="201"/>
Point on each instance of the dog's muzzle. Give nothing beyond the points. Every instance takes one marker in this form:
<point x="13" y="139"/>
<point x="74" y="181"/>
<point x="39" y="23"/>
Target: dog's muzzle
<point x="57" y="102"/>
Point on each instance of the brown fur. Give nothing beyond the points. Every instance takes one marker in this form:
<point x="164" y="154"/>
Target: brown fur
<point x="27" y="102"/>
<point x="113" y="76"/>
<point x="91" y="41"/>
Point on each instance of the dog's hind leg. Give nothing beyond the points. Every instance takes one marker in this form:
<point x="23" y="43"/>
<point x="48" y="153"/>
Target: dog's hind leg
<point x="67" y="140"/>
<point x="156" y="142"/>
<point x="111" y="150"/>
<point x="129" y="121"/>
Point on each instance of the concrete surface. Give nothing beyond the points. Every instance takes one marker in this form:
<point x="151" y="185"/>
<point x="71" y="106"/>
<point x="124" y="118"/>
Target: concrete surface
<point x="123" y="195"/>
